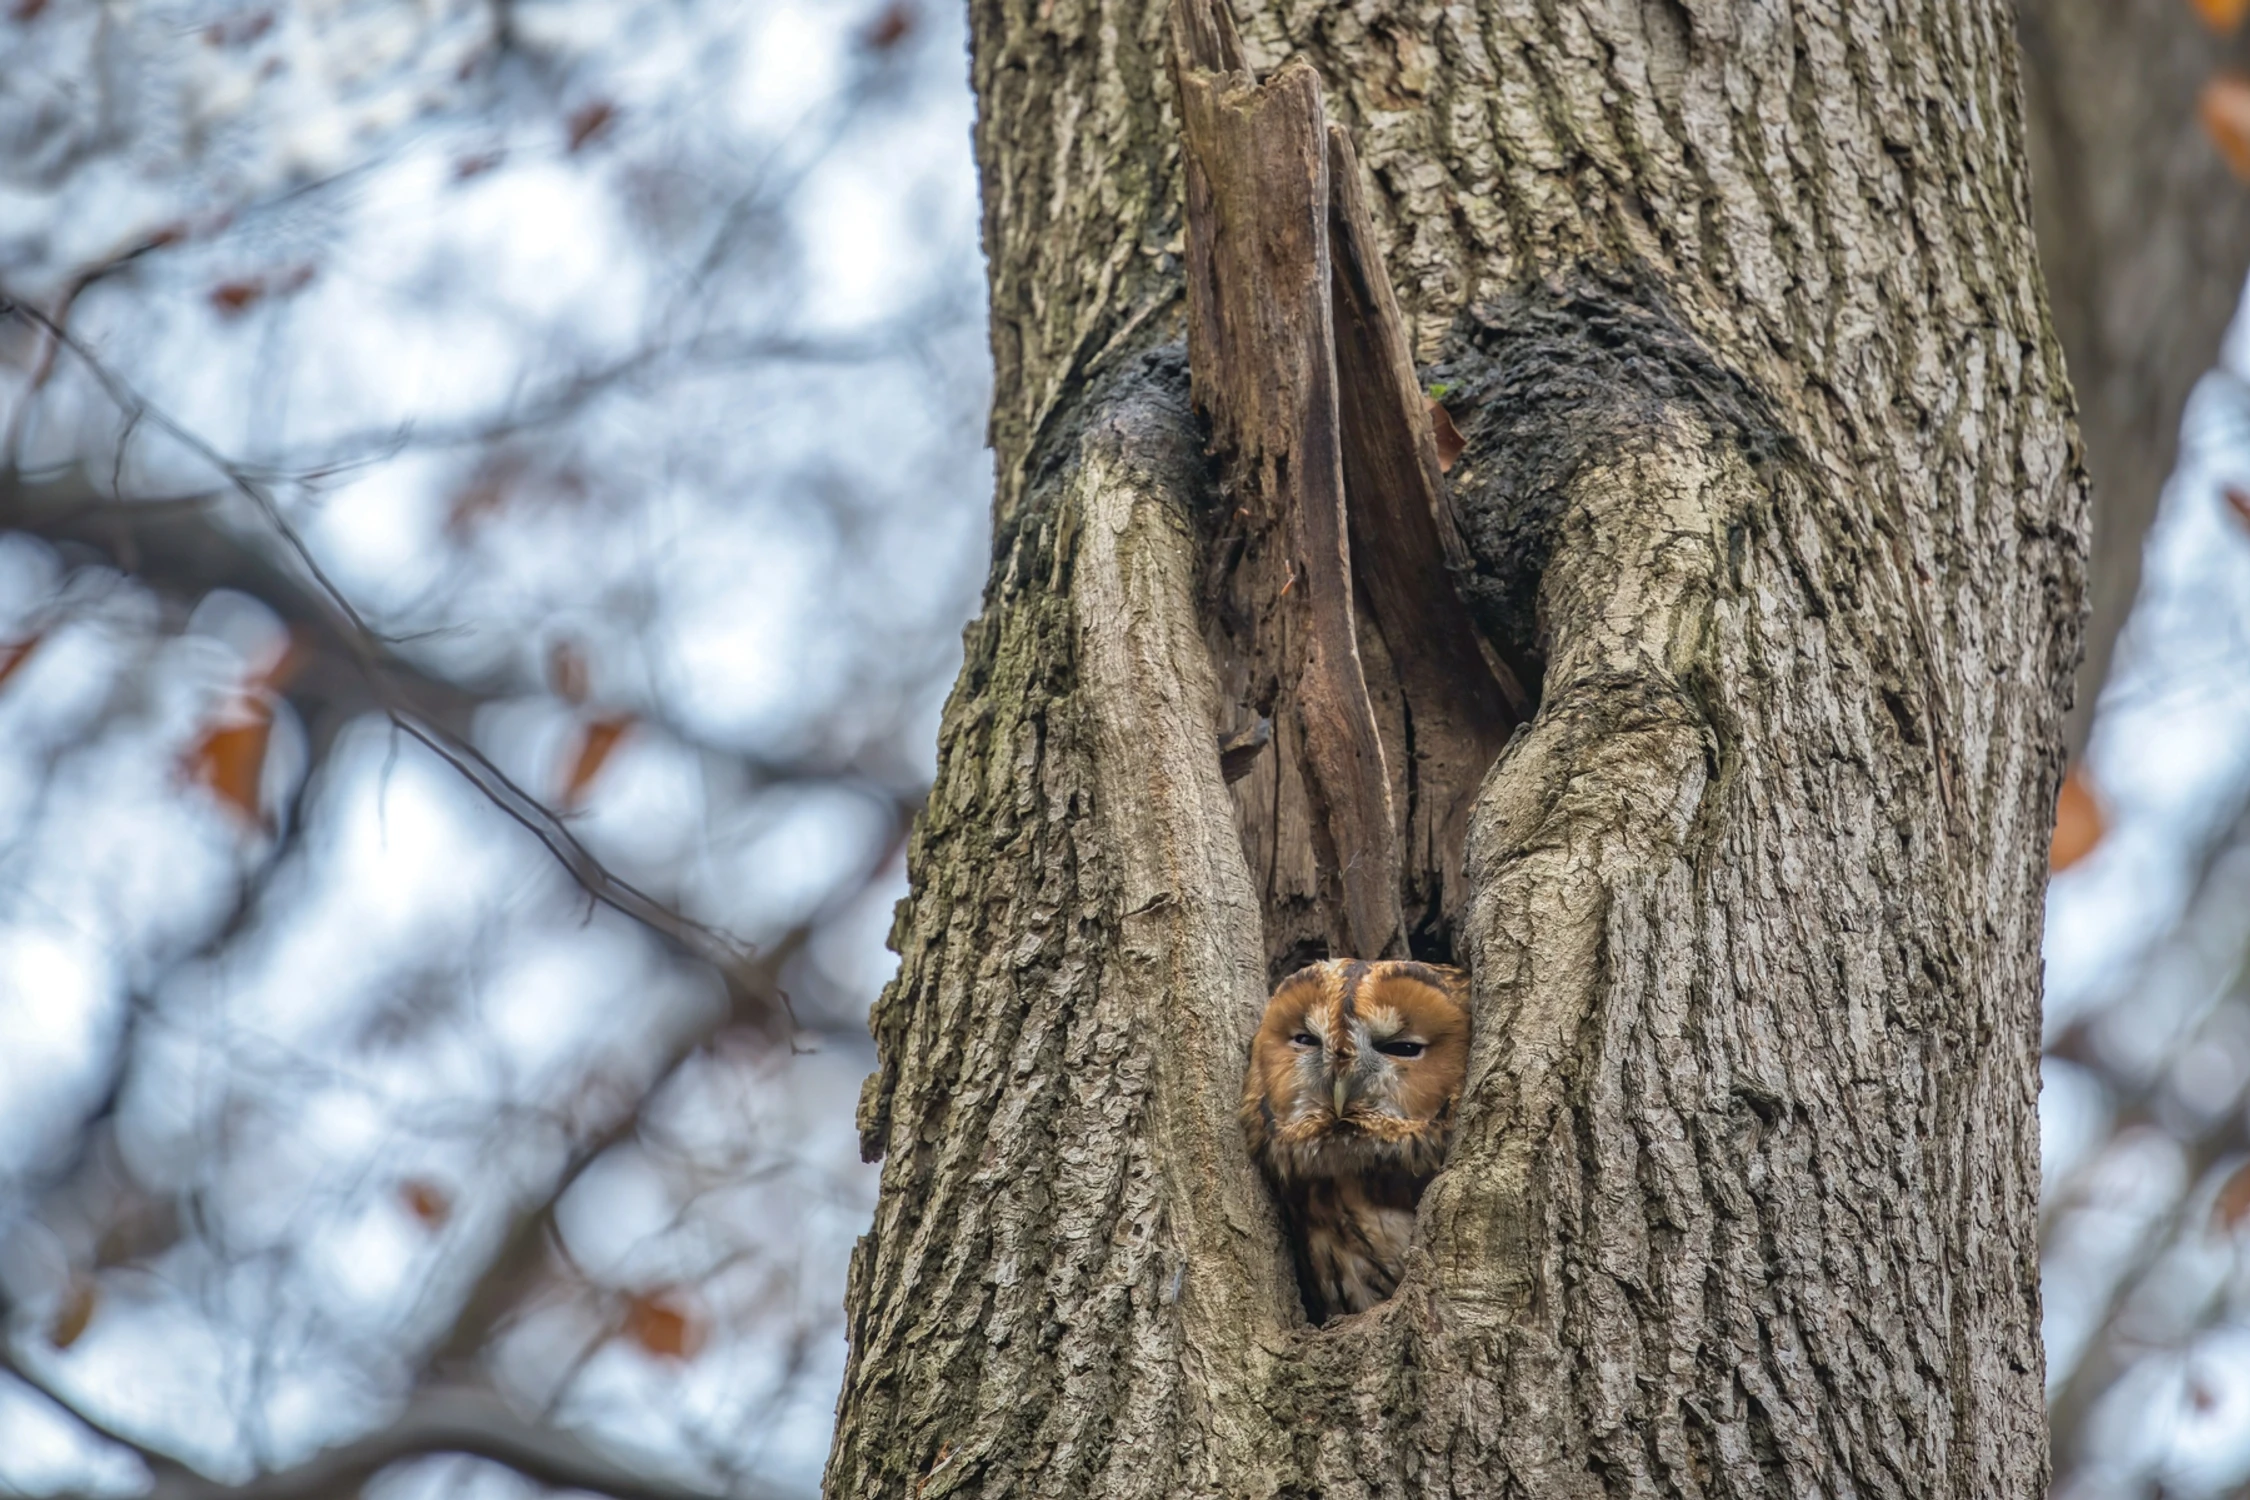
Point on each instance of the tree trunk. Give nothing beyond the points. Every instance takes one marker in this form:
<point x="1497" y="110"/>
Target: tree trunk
<point x="1769" y="498"/>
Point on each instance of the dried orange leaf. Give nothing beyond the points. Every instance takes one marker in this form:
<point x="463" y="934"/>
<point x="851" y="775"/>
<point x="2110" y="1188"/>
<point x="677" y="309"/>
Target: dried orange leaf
<point x="566" y="672"/>
<point x="662" y="1323"/>
<point x="588" y="121"/>
<point x="2232" y="1205"/>
<point x="893" y="26"/>
<point x="2225" y="112"/>
<point x="142" y="1226"/>
<point x="595" y="742"/>
<point x="471" y="504"/>
<point x="2078" y="822"/>
<point x="15" y="653"/>
<point x="2222" y="16"/>
<point x="83" y="1295"/>
<point x="486" y="492"/>
<point x="1449" y="439"/>
<point x="241" y="31"/>
<point x="427" y="1201"/>
<point x="230" y="759"/>
<point x="233" y="297"/>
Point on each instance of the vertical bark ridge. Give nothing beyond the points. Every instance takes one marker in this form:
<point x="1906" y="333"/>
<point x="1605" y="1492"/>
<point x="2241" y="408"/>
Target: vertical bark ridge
<point x="1074" y="1272"/>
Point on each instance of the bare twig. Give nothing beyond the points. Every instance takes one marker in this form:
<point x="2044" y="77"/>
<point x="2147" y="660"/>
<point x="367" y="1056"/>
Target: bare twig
<point x="467" y="1420"/>
<point x="435" y="715"/>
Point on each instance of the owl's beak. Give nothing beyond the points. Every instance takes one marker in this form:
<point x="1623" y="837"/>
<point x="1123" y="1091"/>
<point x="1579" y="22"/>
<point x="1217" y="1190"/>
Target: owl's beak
<point x="1343" y="1094"/>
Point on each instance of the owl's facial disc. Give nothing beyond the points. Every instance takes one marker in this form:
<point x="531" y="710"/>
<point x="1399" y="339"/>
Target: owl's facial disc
<point x="1356" y="1069"/>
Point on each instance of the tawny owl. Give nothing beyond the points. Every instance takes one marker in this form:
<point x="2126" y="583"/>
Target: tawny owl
<point x="1354" y="1077"/>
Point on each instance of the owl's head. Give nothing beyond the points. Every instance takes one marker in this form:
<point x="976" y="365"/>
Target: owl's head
<point x="1357" y="1067"/>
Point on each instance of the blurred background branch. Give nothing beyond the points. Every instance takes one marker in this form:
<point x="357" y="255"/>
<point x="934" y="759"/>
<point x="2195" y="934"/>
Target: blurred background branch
<point x="465" y="681"/>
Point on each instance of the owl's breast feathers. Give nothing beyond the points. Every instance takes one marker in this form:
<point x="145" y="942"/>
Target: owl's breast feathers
<point x="1348" y="1192"/>
<point x="1310" y="1146"/>
<point x="1352" y="1235"/>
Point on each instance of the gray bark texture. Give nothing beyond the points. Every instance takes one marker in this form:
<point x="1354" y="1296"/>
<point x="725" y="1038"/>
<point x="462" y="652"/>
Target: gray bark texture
<point x="1770" y="504"/>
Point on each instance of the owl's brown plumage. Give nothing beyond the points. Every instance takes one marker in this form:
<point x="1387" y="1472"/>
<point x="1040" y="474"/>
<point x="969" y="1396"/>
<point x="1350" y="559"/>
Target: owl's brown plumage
<point x="1354" y="1077"/>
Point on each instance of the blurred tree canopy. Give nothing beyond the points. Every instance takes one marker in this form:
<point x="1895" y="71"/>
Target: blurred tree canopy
<point x="489" y="493"/>
<point x="487" y="496"/>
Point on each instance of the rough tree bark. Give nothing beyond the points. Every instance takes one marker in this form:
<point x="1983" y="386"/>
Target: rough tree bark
<point x="1770" y="501"/>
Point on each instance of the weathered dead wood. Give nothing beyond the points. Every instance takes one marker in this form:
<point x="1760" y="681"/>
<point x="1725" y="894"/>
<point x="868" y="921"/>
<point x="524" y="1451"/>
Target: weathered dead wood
<point x="1459" y="702"/>
<point x="1261" y="354"/>
<point x="1336" y="504"/>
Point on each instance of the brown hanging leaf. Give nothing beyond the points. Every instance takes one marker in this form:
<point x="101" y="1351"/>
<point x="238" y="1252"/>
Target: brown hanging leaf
<point x="2222" y="16"/>
<point x="2232" y="1205"/>
<point x="80" y="1299"/>
<point x="2225" y="112"/>
<point x="663" y="1323"/>
<point x="283" y="669"/>
<point x="471" y="504"/>
<point x="485" y="495"/>
<point x="142" y="1226"/>
<point x="2238" y="501"/>
<point x="893" y="26"/>
<point x="1449" y="439"/>
<point x="230" y="759"/>
<point x="2078" y="822"/>
<point x="233" y="298"/>
<point x="595" y="742"/>
<point x="566" y="672"/>
<point x="241" y="31"/>
<point x="495" y="484"/>
<point x="15" y="653"/>
<point x="428" y="1202"/>
<point x="588" y="121"/>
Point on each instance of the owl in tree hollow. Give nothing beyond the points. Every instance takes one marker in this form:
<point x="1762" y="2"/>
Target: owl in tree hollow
<point x="1354" y="1077"/>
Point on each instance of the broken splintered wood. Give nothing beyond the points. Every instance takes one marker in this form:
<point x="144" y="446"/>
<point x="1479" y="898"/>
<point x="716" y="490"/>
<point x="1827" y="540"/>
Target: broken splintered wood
<point x="1261" y="355"/>
<point x="1460" y="701"/>
<point x="1299" y="358"/>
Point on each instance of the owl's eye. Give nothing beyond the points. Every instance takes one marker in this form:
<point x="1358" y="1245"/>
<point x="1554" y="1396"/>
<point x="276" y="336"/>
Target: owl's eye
<point x="1304" y="1039"/>
<point x="1401" y="1049"/>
